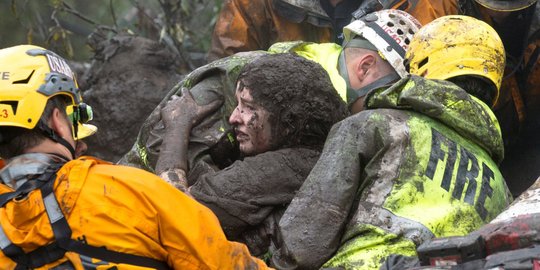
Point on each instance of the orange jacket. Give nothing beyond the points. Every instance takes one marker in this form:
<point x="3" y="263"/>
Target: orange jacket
<point x="247" y="25"/>
<point x="126" y="210"/>
<point x="426" y="11"/>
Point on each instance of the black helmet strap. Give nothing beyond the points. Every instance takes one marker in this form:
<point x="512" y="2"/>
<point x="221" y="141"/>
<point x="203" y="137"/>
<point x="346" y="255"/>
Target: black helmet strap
<point x="50" y="133"/>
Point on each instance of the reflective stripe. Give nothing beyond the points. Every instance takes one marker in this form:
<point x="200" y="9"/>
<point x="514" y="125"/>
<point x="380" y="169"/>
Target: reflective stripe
<point x="4" y="240"/>
<point x="53" y="209"/>
<point x="28" y="164"/>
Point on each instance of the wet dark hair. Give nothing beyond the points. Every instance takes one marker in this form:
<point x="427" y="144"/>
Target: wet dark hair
<point x="299" y="96"/>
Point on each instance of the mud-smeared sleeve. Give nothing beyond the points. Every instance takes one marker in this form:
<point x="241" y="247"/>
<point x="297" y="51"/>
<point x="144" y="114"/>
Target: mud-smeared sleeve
<point x="190" y="233"/>
<point x="207" y="88"/>
<point x="238" y="28"/>
<point x="245" y="193"/>
<point x="312" y="225"/>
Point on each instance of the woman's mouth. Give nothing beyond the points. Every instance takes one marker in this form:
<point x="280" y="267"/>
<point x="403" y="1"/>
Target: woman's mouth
<point x="241" y="136"/>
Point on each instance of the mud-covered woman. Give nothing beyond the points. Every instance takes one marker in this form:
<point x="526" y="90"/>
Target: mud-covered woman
<point x="286" y="107"/>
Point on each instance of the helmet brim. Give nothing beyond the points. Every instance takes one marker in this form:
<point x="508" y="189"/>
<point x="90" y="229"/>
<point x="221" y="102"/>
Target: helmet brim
<point x="85" y="130"/>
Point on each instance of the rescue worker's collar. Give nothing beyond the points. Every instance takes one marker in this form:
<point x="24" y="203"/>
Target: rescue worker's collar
<point x="22" y="168"/>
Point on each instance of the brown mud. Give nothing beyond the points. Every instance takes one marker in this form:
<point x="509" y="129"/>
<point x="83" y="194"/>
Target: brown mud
<point x="128" y="77"/>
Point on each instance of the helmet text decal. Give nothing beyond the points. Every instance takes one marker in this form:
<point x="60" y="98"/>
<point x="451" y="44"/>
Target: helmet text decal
<point x="59" y="65"/>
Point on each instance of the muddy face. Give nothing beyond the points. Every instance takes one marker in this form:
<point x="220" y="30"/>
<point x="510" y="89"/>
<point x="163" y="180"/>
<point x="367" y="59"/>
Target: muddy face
<point x="251" y="124"/>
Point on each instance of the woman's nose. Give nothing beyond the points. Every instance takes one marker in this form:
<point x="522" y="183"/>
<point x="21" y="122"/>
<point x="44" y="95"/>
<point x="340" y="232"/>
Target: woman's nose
<point x="234" y="119"/>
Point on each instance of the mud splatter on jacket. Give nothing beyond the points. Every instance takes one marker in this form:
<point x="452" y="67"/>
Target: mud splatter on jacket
<point x="420" y="162"/>
<point x="250" y="196"/>
<point x="120" y="208"/>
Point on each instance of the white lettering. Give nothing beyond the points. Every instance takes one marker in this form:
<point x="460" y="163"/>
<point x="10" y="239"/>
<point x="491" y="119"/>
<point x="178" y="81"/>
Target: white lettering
<point x="59" y="65"/>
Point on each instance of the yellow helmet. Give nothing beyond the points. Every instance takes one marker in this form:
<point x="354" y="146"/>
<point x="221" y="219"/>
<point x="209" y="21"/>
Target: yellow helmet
<point x="29" y="77"/>
<point x="455" y="45"/>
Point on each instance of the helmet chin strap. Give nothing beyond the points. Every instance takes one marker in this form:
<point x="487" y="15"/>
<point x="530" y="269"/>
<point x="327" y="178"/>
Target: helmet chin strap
<point x="50" y="133"/>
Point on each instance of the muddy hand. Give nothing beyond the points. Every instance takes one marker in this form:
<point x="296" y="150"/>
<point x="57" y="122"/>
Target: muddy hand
<point x="185" y="110"/>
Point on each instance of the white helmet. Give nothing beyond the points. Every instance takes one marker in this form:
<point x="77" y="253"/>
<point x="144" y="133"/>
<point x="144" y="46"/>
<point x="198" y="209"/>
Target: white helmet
<point x="389" y="31"/>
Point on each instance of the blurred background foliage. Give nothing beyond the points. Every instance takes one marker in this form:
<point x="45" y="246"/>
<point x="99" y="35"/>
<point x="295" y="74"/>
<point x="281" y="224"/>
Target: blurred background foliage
<point x="64" y="25"/>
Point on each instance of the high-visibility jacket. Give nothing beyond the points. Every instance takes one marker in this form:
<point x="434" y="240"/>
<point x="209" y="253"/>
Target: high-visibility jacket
<point x="121" y="209"/>
<point x="420" y="162"/>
